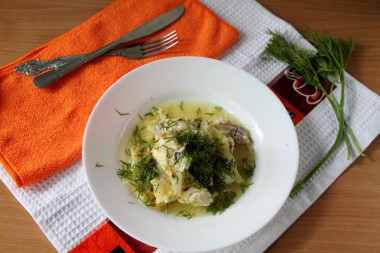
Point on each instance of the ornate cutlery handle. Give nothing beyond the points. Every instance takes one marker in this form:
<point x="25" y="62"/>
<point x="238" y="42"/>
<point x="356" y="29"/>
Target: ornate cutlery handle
<point x="36" y="66"/>
<point x="49" y="77"/>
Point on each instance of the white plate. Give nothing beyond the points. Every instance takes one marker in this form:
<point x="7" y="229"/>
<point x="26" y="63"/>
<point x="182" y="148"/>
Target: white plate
<point x="203" y="79"/>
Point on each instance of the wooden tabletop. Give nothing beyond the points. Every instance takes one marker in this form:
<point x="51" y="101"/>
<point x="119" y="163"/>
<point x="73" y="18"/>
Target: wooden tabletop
<point x="346" y="218"/>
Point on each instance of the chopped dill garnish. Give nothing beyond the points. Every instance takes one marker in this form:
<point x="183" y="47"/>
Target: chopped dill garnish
<point x="246" y="170"/>
<point x="139" y="176"/>
<point x="98" y="165"/>
<point x="158" y="185"/>
<point x="218" y="108"/>
<point x="222" y="202"/>
<point x="244" y="187"/>
<point x="176" y="178"/>
<point x="122" y="114"/>
<point x="128" y="152"/>
<point x="141" y="118"/>
<point x="125" y="164"/>
<point x="198" y="112"/>
<point x="186" y="214"/>
<point x="154" y="109"/>
<point x="208" y="166"/>
<point x="209" y="113"/>
<point x="137" y="138"/>
<point x="166" y="147"/>
<point x="148" y="114"/>
<point x="181" y="105"/>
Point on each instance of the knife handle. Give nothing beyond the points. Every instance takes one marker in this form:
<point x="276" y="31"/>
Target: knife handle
<point x="51" y="76"/>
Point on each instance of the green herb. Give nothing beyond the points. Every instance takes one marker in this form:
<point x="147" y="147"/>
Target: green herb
<point x="148" y="114"/>
<point x="222" y="202"/>
<point x="141" y="118"/>
<point x="328" y="61"/>
<point x="155" y="109"/>
<point x="185" y="214"/>
<point x="98" y="165"/>
<point x="209" y="113"/>
<point x="208" y="166"/>
<point x="218" y="108"/>
<point x="246" y="169"/>
<point x="181" y="105"/>
<point x="198" y="112"/>
<point x="121" y="114"/>
<point x="139" y="176"/>
<point x="137" y="138"/>
<point x="125" y="164"/>
<point x="243" y="187"/>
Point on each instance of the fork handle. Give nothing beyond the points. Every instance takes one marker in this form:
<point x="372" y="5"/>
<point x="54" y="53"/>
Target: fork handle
<point x="49" y="77"/>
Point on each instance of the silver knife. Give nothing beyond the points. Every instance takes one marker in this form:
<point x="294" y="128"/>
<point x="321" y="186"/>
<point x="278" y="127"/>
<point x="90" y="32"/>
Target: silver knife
<point x="143" y="30"/>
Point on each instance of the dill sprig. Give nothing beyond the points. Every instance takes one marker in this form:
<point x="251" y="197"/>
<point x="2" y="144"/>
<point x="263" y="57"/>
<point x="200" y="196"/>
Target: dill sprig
<point x="246" y="169"/>
<point x="121" y="114"/>
<point x="222" y="202"/>
<point x="199" y="112"/>
<point x="208" y="167"/>
<point x="139" y="176"/>
<point x="186" y="214"/>
<point x="328" y="62"/>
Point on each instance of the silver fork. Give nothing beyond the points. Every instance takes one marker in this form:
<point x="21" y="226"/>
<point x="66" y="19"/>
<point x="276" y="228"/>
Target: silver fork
<point x="135" y="51"/>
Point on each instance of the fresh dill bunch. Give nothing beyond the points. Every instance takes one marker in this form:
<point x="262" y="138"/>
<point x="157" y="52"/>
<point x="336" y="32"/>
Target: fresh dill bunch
<point x="328" y="61"/>
<point x="334" y="48"/>
<point x="299" y="59"/>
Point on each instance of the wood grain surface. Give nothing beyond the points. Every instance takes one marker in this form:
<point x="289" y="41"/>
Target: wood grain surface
<point x="346" y="218"/>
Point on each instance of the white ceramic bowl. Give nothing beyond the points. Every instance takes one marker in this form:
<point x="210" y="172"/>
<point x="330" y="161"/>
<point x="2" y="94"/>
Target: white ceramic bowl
<point x="208" y="80"/>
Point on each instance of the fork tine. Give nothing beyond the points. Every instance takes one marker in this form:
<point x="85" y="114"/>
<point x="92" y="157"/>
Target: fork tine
<point x="150" y="45"/>
<point x="158" y="39"/>
<point x="157" y="46"/>
<point x="149" y="54"/>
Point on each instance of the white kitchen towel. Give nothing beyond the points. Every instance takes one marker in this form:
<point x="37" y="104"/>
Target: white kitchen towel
<point x="65" y="210"/>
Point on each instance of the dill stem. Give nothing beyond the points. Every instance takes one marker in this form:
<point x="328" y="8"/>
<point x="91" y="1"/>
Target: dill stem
<point x="343" y="127"/>
<point x="338" y="110"/>
<point x="340" y="106"/>
<point x="300" y="185"/>
<point x="347" y="141"/>
<point x="348" y="130"/>
<point x="347" y="127"/>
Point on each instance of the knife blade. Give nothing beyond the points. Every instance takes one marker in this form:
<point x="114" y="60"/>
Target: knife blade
<point x="143" y="30"/>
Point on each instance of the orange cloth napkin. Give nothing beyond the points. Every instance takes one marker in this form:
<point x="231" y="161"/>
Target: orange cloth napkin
<point x="41" y="130"/>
